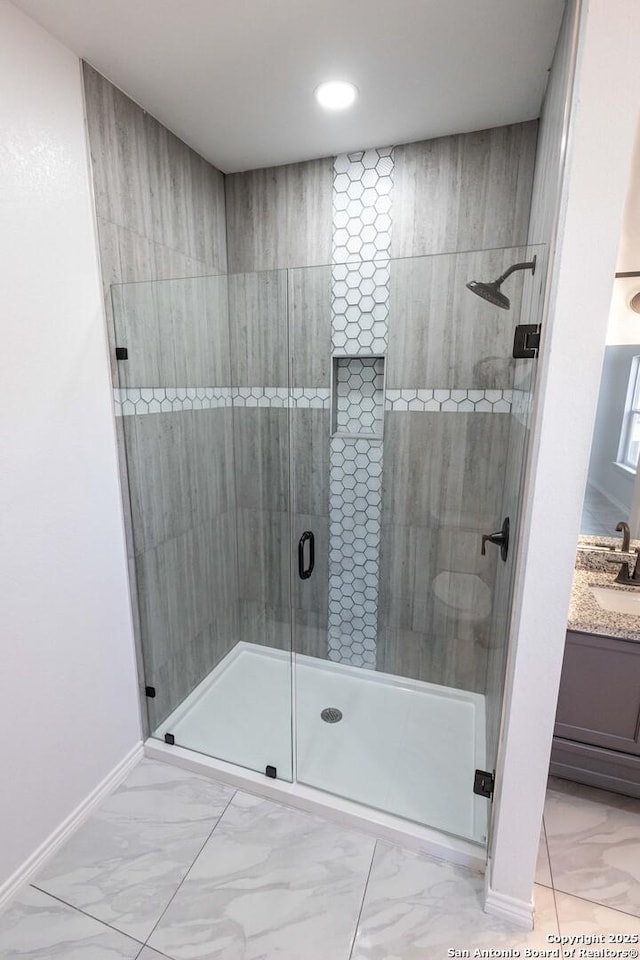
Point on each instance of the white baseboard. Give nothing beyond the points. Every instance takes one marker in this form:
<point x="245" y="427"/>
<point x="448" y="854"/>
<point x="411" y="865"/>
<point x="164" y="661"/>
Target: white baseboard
<point x="517" y="912"/>
<point x="37" y="859"/>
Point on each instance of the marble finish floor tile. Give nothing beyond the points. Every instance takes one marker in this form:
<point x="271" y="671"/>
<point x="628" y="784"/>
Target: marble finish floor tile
<point x="594" y="845"/>
<point x="37" y="927"/>
<point x="126" y="862"/>
<point x="576" y="916"/>
<point x="272" y="882"/>
<point x="543" y="867"/>
<point x="149" y="954"/>
<point x="416" y="908"/>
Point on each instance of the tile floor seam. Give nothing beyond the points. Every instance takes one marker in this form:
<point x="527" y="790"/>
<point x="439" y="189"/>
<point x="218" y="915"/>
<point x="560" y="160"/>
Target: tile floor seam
<point x="145" y="946"/>
<point x="553" y="889"/>
<point x="364" y="895"/>
<point x="89" y="915"/>
<point x="191" y="866"/>
<point x="548" y="849"/>
<point x="325" y="816"/>
<point x="597" y="903"/>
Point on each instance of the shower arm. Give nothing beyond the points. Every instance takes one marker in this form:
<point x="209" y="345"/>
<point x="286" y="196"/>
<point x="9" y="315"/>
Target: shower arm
<point x="529" y="265"/>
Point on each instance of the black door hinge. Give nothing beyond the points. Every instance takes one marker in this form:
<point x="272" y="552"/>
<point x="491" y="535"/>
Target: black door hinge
<point x="484" y="783"/>
<point x="169" y="738"/>
<point x="122" y="353"/>
<point x="526" y="341"/>
<point x="270" y="771"/>
<point x="150" y="692"/>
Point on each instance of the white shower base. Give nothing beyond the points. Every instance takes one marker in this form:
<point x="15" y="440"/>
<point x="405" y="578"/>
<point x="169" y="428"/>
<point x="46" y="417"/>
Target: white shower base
<point x="402" y="746"/>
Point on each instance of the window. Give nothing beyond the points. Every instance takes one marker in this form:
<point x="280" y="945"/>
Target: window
<point x="630" y="434"/>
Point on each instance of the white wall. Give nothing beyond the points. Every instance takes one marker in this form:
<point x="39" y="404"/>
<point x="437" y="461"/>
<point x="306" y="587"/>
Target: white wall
<point x="624" y="323"/>
<point x="606" y="106"/>
<point x="68" y="702"/>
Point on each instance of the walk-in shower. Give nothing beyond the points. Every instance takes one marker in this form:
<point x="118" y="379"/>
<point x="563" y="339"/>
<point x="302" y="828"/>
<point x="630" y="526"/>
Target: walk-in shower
<point x="255" y="431"/>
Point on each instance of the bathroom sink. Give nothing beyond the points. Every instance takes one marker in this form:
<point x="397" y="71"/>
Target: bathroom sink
<point x="618" y="601"/>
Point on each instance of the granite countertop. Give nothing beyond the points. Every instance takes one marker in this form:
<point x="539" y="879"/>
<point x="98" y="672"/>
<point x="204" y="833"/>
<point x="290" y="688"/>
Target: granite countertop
<point x="594" y="570"/>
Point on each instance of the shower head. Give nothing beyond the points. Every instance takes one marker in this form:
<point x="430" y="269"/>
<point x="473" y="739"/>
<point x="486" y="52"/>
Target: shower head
<point x="491" y="289"/>
<point x="491" y="292"/>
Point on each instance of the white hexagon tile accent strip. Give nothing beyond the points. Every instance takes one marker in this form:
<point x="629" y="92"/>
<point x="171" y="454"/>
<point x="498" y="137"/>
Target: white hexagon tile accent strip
<point x="362" y="186"/>
<point x="137" y="401"/>
<point x="362" y="194"/>
<point x="354" y="537"/>
<point x="449" y="401"/>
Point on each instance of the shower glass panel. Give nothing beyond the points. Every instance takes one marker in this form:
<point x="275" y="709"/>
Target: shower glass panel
<point x="409" y="449"/>
<point x="313" y="458"/>
<point x="208" y="476"/>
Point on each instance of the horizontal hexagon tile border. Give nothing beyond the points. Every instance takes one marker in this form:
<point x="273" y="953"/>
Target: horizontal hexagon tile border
<point x="449" y="401"/>
<point x="137" y="401"/>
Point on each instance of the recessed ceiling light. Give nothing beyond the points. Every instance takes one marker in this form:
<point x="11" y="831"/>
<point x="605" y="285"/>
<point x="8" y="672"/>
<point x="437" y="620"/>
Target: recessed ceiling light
<point x="336" y="94"/>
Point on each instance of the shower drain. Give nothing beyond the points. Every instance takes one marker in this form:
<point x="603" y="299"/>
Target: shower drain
<point x="331" y="715"/>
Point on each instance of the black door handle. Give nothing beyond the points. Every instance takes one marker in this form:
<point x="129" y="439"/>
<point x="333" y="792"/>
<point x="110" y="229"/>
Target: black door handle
<point x="305" y="572"/>
<point x="500" y="538"/>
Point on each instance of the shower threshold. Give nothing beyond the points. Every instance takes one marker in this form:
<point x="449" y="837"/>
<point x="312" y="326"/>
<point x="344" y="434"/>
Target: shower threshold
<point x="399" y="761"/>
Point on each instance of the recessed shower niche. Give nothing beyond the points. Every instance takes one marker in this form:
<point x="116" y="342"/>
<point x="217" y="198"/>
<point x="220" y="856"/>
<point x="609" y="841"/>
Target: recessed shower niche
<point x="357" y="397"/>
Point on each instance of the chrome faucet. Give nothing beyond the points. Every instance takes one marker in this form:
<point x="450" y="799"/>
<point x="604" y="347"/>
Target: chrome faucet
<point x="623" y="528"/>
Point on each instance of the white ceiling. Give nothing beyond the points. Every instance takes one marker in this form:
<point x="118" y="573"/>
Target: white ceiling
<point x="235" y="78"/>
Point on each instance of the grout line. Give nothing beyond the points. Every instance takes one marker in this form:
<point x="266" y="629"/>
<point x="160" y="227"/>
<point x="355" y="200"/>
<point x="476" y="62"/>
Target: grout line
<point x="364" y="895"/>
<point x="164" y="246"/>
<point x="85" y="914"/>
<point x="158" y="952"/>
<point x="191" y="866"/>
<point x="597" y="903"/>
<point x="547" y="848"/>
<point x="553" y="891"/>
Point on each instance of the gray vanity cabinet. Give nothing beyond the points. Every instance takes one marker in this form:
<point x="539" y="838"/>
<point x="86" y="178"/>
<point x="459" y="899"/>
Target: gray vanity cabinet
<point x="597" y="731"/>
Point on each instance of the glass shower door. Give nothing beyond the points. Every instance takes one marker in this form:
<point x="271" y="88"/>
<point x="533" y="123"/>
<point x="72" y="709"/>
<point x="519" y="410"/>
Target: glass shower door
<point x="401" y="640"/>
<point x="207" y="471"/>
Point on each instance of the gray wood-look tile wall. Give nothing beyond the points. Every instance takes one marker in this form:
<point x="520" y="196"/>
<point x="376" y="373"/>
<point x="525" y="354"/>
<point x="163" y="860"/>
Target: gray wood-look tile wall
<point x="176" y="332"/>
<point x="310" y="431"/>
<point x="161" y="216"/>
<point x="466" y="192"/>
<point x="259" y="339"/>
<point x="152" y="185"/>
<point x="310" y="326"/>
<point x="442" y="336"/>
<point x="469" y="192"/>
<point x="443" y="485"/>
<point x="442" y="488"/>
<point x="280" y="216"/>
